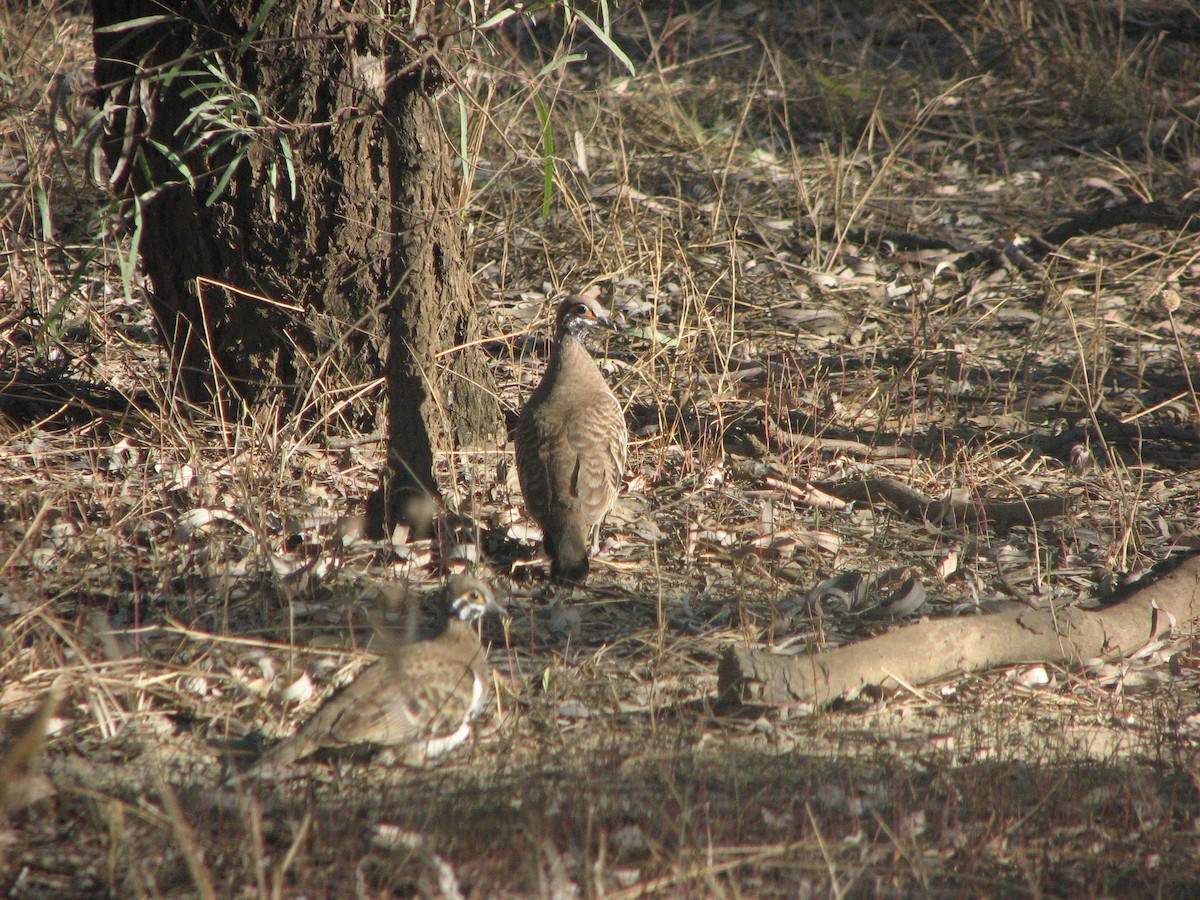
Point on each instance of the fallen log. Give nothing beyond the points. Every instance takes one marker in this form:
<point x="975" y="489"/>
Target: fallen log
<point x="936" y="648"/>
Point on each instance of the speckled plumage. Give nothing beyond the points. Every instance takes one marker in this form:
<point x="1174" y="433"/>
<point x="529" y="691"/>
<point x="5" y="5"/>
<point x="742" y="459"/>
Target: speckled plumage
<point x="571" y="443"/>
<point x="419" y="699"/>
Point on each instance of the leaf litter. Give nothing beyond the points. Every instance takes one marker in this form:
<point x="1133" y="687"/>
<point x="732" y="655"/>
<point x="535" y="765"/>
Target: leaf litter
<point x="838" y="428"/>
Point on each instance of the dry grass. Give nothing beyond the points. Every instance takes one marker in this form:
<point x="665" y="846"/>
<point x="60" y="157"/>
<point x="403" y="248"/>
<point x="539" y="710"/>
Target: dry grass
<point x="172" y="569"/>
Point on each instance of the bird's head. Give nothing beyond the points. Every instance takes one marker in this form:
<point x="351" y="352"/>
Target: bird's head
<point x="577" y="315"/>
<point x="470" y="599"/>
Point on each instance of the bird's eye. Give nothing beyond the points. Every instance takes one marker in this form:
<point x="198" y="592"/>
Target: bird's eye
<point x="582" y="309"/>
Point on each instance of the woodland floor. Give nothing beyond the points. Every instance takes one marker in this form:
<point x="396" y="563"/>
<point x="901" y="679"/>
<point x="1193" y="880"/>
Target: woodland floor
<point x="816" y="226"/>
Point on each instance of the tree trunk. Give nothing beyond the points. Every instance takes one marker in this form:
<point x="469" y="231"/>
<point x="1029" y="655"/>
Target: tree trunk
<point x="299" y="230"/>
<point x="429" y="297"/>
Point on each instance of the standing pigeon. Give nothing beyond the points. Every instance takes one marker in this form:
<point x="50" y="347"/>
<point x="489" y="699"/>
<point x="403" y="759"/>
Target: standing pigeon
<point x="571" y="442"/>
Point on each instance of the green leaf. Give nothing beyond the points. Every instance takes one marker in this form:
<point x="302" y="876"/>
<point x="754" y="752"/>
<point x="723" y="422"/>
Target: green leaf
<point x="225" y="176"/>
<point x="561" y="61"/>
<point x="180" y="166"/>
<point x="128" y="262"/>
<point x="492" y="21"/>
<point x="606" y="39"/>
<point x="131" y="24"/>
<point x="80" y="275"/>
<point x="43" y="205"/>
<point x="654" y="335"/>
<point x="255" y="26"/>
<point x="286" y="146"/>
<point x="273" y="193"/>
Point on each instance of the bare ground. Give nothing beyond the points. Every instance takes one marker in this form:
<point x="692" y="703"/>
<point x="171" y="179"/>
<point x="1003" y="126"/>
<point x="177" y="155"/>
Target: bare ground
<point x="818" y="225"/>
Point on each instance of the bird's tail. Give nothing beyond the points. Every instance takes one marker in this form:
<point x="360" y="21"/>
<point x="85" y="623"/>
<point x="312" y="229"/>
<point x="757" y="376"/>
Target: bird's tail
<point x="569" y="556"/>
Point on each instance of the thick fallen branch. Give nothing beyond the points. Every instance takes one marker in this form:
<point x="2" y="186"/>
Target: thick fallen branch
<point x="1008" y="250"/>
<point x="1181" y="215"/>
<point x="1175" y="215"/>
<point x="940" y="647"/>
<point x="956" y="507"/>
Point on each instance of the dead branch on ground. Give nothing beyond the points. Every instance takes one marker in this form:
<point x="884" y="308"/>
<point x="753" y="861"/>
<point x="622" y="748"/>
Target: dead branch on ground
<point x="937" y="648"/>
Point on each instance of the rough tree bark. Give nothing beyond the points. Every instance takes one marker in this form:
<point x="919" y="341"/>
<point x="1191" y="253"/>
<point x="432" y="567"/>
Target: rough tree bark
<point x="270" y="299"/>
